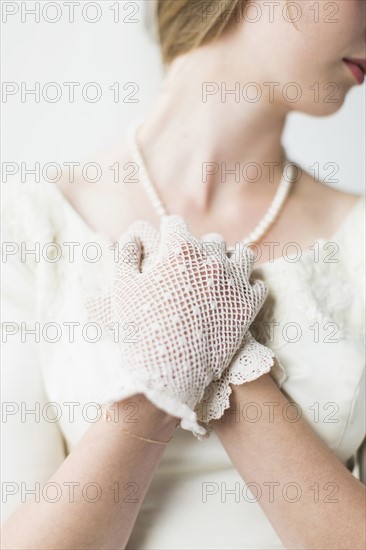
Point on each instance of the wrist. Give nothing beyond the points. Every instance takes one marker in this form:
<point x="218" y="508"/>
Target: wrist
<point x="259" y="394"/>
<point x="140" y="416"/>
<point x="255" y="390"/>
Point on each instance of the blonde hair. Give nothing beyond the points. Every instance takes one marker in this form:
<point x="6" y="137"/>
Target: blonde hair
<point x="187" y="24"/>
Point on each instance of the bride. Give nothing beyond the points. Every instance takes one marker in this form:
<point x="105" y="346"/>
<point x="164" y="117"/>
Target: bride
<point x="278" y="411"/>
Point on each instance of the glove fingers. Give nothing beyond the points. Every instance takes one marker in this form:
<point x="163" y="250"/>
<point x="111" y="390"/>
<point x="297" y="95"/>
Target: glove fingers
<point x="148" y="235"/>
<point x="260" y="292"/>
<point x="173" y="233"/>
<point x="149" y="239"/>
<point x="142" y="241"/>
<point x="243" y="258"/>
<point x="214" y="245"/>
<point x="129" y="254"/>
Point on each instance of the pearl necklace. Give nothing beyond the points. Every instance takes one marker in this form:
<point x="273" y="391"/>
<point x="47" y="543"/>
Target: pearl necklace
<point x="258" y="232"/>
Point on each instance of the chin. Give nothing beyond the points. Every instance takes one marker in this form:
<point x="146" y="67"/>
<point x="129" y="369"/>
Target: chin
<point x="322" y="108"/>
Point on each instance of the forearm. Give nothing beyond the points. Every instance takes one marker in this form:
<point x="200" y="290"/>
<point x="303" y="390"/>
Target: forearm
<point x="274" y="450"/>
<point x="121" y="467"/>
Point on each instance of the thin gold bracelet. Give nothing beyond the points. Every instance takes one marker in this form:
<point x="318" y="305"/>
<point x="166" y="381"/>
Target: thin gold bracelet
<point x="147" y="438"/>
<point x="107" y="418"/>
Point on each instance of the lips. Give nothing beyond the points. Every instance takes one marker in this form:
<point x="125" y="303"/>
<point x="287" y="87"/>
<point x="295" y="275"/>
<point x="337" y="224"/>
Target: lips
<point x="357" y="68"/>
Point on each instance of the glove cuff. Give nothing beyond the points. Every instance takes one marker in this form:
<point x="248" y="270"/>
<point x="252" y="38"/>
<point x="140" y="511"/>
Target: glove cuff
<point x="250" y="362"/>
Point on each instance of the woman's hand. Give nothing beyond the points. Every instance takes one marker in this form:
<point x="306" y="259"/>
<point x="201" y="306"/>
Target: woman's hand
<point x="192" y="309"/>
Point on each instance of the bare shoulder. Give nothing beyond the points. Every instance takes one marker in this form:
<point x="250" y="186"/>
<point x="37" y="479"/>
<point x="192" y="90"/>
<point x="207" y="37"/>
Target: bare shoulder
<point x="105" y="191"/>
<point x="327" y="206"/>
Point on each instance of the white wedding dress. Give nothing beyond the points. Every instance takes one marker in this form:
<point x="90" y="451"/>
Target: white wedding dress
<point x="315" y="317"/>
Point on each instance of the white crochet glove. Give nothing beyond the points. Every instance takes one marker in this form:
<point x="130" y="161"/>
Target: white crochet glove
<point x="251" y="360"/>
<point x="192" y="311"/>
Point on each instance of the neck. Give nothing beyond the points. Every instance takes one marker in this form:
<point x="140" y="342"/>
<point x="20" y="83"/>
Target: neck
<point x="202" y="151"/>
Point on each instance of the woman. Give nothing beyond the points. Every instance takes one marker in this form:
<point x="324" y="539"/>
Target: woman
<point x="284" y="482"/>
